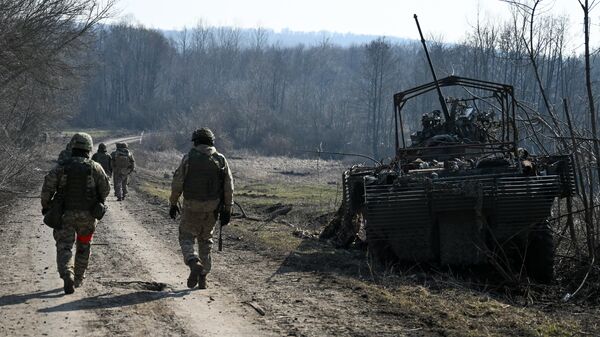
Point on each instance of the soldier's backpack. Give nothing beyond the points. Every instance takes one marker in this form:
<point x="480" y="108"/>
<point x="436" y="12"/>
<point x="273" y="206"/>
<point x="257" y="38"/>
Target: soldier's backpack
<point x="121" y="160"/>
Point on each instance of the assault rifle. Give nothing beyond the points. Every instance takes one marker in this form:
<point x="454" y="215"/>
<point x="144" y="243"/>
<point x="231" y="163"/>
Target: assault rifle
<point x="221" y="238"/>
<point x="220" y="209"/>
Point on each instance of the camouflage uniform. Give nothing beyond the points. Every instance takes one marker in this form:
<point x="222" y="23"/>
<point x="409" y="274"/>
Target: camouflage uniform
<point x="104" y="159"/>
<point x="78" y="224"/>
<point x="123" y="164"/>
<point x="65" y="154"/>
<point x="199" y="216"/>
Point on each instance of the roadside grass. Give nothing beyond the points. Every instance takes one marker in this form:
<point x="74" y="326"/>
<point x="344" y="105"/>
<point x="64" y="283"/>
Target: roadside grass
<point x="556" y="330"/>
<point x="266" y="194"/>
<point x="458" y="311"/>
<point x="152" y="189"/>
<point x="275" y="238"/>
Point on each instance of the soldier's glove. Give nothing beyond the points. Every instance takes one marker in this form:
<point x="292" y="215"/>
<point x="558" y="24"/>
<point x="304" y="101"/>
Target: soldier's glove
<point x="173" y="211"/>
<point x="225" y="217"/>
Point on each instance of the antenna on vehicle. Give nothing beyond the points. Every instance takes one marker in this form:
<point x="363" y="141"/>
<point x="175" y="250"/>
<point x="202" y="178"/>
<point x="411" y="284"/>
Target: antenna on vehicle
<point x="437" y="85"/>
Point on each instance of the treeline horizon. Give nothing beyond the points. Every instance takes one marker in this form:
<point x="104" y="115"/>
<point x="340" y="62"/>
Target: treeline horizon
<point x="259" y="95"/>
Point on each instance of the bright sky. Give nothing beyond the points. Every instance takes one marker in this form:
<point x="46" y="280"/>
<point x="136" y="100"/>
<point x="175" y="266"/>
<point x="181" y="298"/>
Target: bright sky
<point x="448" y="19"/>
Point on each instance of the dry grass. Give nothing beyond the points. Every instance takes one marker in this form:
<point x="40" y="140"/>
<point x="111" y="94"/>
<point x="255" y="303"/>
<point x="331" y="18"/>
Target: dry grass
<point x="95" y="133"/>
<point x="457" y="311"/>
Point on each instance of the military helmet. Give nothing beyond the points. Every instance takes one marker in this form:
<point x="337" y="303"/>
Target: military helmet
<point x="102" y="147"/>
<point x="121" y="145"/>
<point x="82" y="141"/>
<point x="203" y="133"/>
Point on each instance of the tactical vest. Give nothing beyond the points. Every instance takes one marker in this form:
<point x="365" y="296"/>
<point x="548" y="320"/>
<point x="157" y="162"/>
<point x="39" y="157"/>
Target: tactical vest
<point x="121" y="160"/>
<point x="204" y="177"/>
<point x="79" y="192"/>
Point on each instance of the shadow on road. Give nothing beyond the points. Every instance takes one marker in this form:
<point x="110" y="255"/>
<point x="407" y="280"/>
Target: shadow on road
<point x="23" y="298"/>
<point x="106" y="301"/>
<point x="315" y="256"/>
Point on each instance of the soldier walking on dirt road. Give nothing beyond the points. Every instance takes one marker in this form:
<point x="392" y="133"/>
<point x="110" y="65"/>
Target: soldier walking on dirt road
<point x="122" y="165"/>
<point x="206" y="182"/>
<point x="103" y="158"/>
<point x="81" y="186"/>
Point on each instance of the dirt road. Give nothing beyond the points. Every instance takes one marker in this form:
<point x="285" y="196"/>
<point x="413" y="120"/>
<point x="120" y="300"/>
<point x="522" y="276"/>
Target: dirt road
<point x="135" y="283"/>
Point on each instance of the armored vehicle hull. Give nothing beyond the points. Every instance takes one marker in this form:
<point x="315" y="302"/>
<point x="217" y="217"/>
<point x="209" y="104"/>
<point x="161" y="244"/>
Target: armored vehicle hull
<point x="462" y="193"/>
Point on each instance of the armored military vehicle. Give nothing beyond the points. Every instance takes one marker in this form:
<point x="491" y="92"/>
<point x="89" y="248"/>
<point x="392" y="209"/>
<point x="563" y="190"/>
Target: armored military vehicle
<point x="463" y="192"/>
<point x="460" y="191"/>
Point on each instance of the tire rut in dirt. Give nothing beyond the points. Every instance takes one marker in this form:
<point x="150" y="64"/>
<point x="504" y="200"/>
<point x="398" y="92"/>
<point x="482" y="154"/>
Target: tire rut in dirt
<point x="126" y="298"/>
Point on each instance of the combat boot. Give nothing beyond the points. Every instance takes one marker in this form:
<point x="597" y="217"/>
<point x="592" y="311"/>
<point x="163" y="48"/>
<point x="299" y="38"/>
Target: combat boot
<point x="196" y="269"/>
<point x="78" y="281"/>
<point x="202" y="281"/>
<point x="68" y="284"/>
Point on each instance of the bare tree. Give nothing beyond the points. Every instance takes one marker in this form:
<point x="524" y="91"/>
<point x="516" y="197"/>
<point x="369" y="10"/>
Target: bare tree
<point x="376" y="71"/>
<point x="586" y="6"/>
<point x="41" y="47"/>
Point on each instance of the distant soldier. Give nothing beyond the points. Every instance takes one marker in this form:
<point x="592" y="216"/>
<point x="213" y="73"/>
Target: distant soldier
<point x="103" y="158"/>
<point x="205" y="180"/>
<point x="65" y="154"/>
<point x="123" y="164"/>
<point x="83" y="185"/>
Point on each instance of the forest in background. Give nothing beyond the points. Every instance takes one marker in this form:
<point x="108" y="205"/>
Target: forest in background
<point x="43" y="62"/>
<point x="58" y="66"/>
<point x="273" y="99"/>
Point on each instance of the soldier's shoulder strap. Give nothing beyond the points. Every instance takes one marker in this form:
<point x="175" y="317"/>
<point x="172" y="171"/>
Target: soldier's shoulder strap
<point x="220" y="159"/>
<point x="59" y="170"/>
<point x="93" y="167"/>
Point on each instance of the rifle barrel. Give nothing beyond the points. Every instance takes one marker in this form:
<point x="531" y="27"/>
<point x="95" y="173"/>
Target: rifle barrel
<point x="221" y="238"/>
